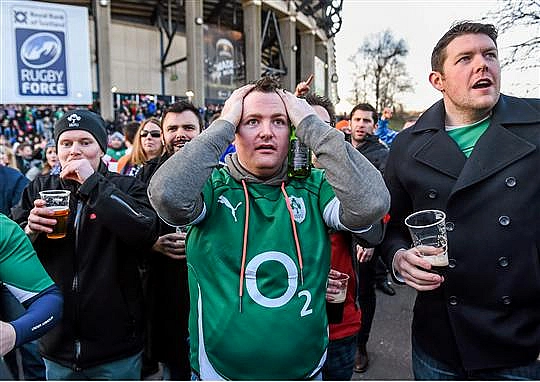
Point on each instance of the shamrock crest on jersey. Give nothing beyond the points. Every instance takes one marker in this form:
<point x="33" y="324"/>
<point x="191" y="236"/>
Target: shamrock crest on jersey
<point x="298" y="208"/>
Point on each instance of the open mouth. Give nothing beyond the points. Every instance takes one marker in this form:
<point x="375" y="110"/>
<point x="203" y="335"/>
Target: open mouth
<point x="482" y="84"/>
<point x="265" y="147"/>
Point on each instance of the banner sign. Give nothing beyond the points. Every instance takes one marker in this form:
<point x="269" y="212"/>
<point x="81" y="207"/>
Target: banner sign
<point x="224" y="61"/>
<point x="46" y="59"/>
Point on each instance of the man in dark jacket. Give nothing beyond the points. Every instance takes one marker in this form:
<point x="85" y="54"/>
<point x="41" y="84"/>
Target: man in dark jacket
<point x="372" y="272"/>
<point x="473" y="155"/>
<point x="167" y="268"/>
<point x="11" y="188"/>
<point x="110" y="224"/>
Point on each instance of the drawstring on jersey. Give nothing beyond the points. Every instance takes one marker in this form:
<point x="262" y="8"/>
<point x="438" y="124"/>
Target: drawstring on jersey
<point x="245" y="240"/>
<point x="244" y="244"/>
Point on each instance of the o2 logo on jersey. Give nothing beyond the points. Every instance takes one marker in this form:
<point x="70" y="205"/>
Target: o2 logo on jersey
<point x="41" y="50"/>
<point x="292" y="280"/>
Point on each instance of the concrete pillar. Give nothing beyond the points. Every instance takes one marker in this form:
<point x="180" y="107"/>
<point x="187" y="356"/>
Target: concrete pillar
<point x="195" y="51"/>
<point x="103" y="52"/>
<point x="287" y="29"/>
<point x="321" y="52"/>
<point x="307" y="61"/>
<point x="332" y="71"/>
<point x="252" y="36"/>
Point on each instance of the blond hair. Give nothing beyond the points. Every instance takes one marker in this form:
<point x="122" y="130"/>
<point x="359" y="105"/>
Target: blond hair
<point x="138" y="156"/>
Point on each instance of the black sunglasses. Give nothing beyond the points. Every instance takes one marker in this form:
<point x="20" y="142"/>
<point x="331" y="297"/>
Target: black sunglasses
<point x="153" y="134"/>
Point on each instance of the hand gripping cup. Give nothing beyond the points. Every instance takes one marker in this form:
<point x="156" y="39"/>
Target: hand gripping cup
<point x="58" y="202"/>
<point x="334" y="308"/>
<point x="428" y="228"/>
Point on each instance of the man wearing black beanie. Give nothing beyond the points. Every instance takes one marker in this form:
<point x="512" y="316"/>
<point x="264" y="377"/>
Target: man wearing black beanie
<point x="110" y="226"/>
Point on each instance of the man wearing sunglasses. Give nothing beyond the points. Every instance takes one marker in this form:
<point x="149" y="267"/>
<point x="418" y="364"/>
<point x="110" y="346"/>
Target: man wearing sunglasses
<point x="167" y="268"/>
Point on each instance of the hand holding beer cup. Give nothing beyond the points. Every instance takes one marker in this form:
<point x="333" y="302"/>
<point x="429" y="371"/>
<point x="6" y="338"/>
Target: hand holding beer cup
<point x="50" y="214"/>
<point x="336" y="292"/>
<point x="421" y="265"/>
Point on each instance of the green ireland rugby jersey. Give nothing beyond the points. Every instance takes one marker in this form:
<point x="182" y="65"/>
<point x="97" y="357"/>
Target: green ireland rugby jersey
<point x="20" y="269"/>
<point x="281" y="330"/>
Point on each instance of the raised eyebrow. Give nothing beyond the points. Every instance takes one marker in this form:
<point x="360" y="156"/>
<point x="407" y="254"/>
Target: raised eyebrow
<point x="251" y="116"/>
<point x="490" y="50"/>
<point x="279" y="115"/>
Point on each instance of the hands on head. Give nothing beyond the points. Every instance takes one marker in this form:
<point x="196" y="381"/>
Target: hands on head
<point x="297" y="108"/>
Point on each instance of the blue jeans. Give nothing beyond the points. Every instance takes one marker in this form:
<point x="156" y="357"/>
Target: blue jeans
<point x="428" y="368"/>
<point x="340" y="360"/>
<point x="124" y="369"/>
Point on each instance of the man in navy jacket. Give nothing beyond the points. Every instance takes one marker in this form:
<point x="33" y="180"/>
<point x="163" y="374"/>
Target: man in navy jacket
<point x="473" y="155"/>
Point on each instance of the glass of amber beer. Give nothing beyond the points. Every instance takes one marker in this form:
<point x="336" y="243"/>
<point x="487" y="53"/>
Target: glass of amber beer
<point x="57" y="201"/>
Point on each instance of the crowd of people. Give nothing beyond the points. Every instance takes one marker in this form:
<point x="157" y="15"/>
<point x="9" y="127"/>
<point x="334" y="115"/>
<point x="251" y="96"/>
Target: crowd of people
<point x="176" y="257"/>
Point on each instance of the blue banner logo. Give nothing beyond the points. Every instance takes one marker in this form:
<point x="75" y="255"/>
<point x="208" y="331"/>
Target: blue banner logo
<point x="41" y="62"/>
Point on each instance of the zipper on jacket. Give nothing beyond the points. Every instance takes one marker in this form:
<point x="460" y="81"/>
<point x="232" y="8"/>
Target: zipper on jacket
<point x="123" y="203"/>
<point x="76" y="288"/>
<point x="77" y="350"/>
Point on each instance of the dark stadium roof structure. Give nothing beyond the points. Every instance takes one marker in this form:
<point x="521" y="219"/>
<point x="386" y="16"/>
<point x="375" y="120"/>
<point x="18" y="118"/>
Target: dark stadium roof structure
<point x="227" y="12"/>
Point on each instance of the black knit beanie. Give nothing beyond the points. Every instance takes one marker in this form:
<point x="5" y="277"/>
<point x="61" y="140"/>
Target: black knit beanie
<point x="86" y="120"/>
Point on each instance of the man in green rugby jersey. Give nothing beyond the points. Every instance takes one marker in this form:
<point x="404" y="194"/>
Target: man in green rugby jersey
<point x="258" y="251"/>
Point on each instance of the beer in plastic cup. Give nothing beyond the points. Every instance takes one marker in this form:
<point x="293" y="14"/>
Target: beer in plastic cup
<point x="334" y="308"/>
<point x="428" y="227"/>
<point x="58" y="202"/>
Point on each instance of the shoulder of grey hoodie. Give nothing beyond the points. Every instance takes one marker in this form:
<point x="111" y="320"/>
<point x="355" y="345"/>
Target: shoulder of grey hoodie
<point x="175" y="188"/>
<point x="358" y="185"/>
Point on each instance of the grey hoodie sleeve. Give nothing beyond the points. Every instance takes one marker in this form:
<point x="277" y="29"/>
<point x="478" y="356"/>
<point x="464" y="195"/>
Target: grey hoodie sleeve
<point x="358" y="185"/>
<point x="175" y="189"/>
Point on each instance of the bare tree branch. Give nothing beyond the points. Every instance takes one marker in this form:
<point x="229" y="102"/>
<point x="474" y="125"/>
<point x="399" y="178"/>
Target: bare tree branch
<point x="380" y="73"/>
<point x="514" y="13"/>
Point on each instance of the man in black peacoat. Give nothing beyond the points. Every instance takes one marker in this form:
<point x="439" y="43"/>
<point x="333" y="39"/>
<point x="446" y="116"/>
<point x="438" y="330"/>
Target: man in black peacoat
<point x="481" y="317"/>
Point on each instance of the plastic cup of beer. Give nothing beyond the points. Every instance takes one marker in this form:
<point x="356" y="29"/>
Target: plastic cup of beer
<point x="58" y="202"/>
<point x="428" y="228"/>
<point x="334" y="307"/>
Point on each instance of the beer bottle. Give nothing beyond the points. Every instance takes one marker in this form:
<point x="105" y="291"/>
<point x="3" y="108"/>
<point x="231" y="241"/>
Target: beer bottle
<point x="299" y="160"/>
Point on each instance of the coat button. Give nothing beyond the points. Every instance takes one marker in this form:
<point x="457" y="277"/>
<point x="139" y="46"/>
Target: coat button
<point x="510" y="181"/>
<point x="503" y="262"/>
<point x="432" y="193"/>
<point x="452" y="263"/>
<point x="450" y="226"/>
<point x="452" y="300"/>
<point x="506" y="300"/>
<point x="504" y="220"/>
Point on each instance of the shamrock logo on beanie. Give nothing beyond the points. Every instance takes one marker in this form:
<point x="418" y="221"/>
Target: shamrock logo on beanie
<point x="82" y="119"/>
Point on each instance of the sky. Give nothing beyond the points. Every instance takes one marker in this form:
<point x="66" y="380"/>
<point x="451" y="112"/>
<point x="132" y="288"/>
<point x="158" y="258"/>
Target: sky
<point x="421" y="23"/>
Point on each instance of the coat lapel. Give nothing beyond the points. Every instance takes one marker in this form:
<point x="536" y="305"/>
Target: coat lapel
<point x="496" y="149"/>
<point x="441" y="153"/>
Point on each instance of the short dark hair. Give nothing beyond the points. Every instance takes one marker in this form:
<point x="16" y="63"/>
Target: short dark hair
<point x="366" y="107"/>
<point x="180" y="107"/>
<point x="317" y="100"/>
<point x="459" y="29"/>
<point x="130" y="130"/>
<point x="266" y="84"/>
